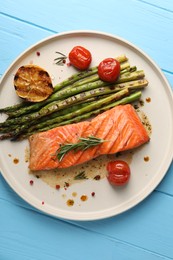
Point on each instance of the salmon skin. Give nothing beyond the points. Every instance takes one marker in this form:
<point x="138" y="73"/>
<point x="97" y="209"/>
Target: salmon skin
<point x="120" y="126"/>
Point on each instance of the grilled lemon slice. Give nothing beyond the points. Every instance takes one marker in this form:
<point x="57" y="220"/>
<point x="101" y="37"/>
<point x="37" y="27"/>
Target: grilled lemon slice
<point x="33" y="83"/>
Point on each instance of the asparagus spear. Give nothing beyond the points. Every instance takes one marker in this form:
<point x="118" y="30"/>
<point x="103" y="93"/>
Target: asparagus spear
<point x="126" y="77"/>
<point x="130" y="69"/>
<point x="89" y="107"/>
<point x="53" y="115"/>
<point x="58" y="105"/>
<point x="14" y="107"/>
<point x="81" y="115"/>
<point x="68" y="81"/>
<point x="17" y="110"/>
<point x="132" y="86"/>
<point x="96" y="105"/>
<point x="125" y="67"/>
<point x="81" y="75"/>
<point x="64" y="93"/>
<point x="84" y="81"/>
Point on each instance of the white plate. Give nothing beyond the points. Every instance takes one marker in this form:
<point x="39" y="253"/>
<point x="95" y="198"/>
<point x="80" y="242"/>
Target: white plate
<point x="108" y="201"/>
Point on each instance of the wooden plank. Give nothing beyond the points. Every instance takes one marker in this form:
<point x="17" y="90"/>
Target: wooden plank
<point x="144" y="232"/>
<point x="146" y="34"/>
<point x="135" y="230"/>
<point x="148" y="226"/>
<point x="38" y="236"/>
<point x="15" y="38"/>
<point x="160" y="4"/>
<point x="167" y="183"/>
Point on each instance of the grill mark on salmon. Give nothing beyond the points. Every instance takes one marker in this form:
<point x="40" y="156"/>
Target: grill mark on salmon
<point x="120" y="127"/>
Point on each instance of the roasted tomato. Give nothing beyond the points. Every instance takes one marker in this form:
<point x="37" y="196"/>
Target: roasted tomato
<point x="118" y="172"/>
<point x="80" y="57"/>
<point x="109" y="70"/>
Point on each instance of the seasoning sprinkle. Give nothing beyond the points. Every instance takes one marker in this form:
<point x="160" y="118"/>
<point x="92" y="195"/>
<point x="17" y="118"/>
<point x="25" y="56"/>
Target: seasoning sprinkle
<point x="81" y="176"/>
<point x="31" y="182"/>
<point x="70" y="202"/>
<point x="148" y="99"/>
<point x="57" y="187"/>
<point x="146" y="158"/>
<point x="97" y="177"/>
<point x="16" y="161"/>
<point x="67" y="184"/>
<point x="84" y="197"/>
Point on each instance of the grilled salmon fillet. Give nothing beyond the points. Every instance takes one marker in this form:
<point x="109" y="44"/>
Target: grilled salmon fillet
<point x="120" y="126"/>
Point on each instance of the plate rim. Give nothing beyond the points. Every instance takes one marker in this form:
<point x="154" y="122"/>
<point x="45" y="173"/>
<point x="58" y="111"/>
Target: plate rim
<point x="93" y="216"/>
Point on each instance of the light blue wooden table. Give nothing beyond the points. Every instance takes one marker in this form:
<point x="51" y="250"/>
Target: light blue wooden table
<point x="145" y="231"/>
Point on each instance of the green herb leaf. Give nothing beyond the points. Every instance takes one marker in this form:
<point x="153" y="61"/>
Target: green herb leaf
<point x="81" y="176"/>
<point x="83" y="144"/>
<point x="61" y="59"/>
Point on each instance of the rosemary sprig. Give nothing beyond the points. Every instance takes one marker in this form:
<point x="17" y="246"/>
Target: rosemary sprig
<point x="81" y="176"/>
<point x="83" y="144"/>
<point x="60" y="60"/>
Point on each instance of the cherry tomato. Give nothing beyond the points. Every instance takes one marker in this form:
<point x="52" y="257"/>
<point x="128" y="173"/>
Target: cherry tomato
<point x="109" y="70"/>
<point x="80" y="57"/>
<point x="118" y="172"/>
